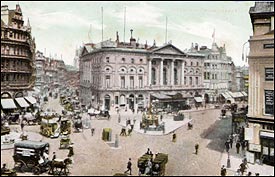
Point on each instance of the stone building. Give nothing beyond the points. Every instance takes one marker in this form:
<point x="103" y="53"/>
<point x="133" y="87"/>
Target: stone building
<point x="17" y="54"/>
<point x="240" y="79"/>
<point x="40" y="63"/>
<point x="260" y="131"/>
<point x="129" y="75"/>
<point x="218" y="70"/>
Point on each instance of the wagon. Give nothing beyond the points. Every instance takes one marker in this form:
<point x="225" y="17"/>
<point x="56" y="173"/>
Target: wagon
<point x="65" y="142"/>
<point x="27" y="155"/>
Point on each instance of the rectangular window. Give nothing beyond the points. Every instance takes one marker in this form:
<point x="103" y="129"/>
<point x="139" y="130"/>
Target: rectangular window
<point x="122" y="79"/>
<point x="140" y="82"/>
<point x="272" y="24"/>
<point x="269" y="74"/>
<point x="108" y="81"/>
<point x="269" y="102"/>
<point x="116" y="99"/>
<point x="185" y="81"/>
<point x="131" y="81"/>
<point x="197" y="81"/>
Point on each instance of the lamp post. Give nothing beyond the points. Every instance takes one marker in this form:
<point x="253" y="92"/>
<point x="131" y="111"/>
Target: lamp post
<point x="243" y="51"/>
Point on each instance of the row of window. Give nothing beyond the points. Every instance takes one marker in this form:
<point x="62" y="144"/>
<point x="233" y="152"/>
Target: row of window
<point x="14" y="64"/>
<point x="123" y="60"/>
<point x="14" y="51"/>
<point x="14" y="77"/>
<point x="215" y="66"/>
<point x="13" y="35"/>
<point x="209" y="75"/>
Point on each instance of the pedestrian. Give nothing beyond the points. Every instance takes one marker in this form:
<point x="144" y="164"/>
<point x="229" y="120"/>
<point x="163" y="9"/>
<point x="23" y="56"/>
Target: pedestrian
<point x="196" y="148"/>
<point x="161" y="117"/>
<point x="129" y="167"/>
<point x="22" y="125"/>
<point x="227" y="147"/>
<point x="223" y="171"/>
<point x="174" y="137"/>
<point x="243" y="145"/>
<point x="249" y="174"/>
<point x="92" y="131"/>
<point x="54" y="156"/>
<point x="242" y="168"/>
<point x="71" y="151"/>
<point x="238" y="147"/>
<point x="148" y="151"/>
<point x="231" y="141"/>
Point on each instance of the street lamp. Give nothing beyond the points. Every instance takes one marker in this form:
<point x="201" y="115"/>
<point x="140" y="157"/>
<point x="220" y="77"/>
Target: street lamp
<point x="243" y="51"/>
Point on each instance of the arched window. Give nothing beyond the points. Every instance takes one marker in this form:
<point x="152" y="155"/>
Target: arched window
<point x="153" y="76"/>
<point x="190" y="81"/>
<point x="164" y="76"/>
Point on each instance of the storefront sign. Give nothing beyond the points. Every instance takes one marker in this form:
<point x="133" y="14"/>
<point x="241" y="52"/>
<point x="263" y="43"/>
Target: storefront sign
<point x="269" y="74"/>
<point x="255" y="147"/>
<point x="248" y="133"/>
<point x="269" y="102"/>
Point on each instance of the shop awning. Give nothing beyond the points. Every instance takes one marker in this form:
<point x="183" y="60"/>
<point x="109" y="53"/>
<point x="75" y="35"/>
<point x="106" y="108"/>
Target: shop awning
<point x="267" y="134"/>
<point x="8" y="104"/>
<point x="226" y="95"/>
<point x="244" y="93"/>
<point x="198" y="99"/>
<point x="31" y="99"/>
<point x="160" y="96"/>
<point x="22" y="102"/>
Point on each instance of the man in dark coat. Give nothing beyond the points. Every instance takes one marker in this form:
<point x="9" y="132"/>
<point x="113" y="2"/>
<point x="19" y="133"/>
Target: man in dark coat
<point x="129" y="167"/>
<point x="238" y="147"/>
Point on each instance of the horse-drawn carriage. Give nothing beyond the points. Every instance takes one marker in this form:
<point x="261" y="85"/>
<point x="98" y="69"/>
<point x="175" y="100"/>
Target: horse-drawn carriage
<point x="65" y="142"/>
<point x="32" y="156"/>
<point x="28" y="154"/>
<point x="152" y="166"/>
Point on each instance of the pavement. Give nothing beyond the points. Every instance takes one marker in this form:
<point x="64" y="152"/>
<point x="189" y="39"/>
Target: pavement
<point x="236" y="160"/>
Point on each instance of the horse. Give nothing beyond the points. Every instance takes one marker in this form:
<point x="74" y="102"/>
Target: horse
<point x="60" y="164"/>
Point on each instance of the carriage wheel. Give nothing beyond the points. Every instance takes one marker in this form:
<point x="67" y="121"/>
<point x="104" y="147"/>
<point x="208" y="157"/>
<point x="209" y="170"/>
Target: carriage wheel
<point x="36" y="170"/>
<point x="24" y="168"/>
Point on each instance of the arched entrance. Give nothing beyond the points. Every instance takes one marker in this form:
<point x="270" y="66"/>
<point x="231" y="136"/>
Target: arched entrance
<point x="140" y="102"/>
<point x="206" y="98"/>
<point x="131" y="101"/>
<point x="107" y="101"/>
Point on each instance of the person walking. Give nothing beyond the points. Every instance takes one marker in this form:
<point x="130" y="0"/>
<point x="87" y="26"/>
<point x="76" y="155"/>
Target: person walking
<point x="129" y="167"/>
<point x="231" y="141"/>
<point x="242" y="168"/>
<point x="238" y="147"/>
<point x="223" y="171"/>
<point x="54" y="156"/>
<point x="92" y="131"/>
<point x="196" y="148"/>
<point x="174" y="137"/>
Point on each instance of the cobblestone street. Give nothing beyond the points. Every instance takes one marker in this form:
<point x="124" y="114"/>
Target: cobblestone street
<point x="95" y="157"/>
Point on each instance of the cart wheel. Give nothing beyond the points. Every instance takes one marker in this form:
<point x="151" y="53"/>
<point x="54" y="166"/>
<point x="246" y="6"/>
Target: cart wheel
<point x="24" y="168"/>
<point x="36" y="170"/>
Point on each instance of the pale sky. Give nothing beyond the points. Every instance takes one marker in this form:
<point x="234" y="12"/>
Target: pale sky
<point x="59" y="27"/>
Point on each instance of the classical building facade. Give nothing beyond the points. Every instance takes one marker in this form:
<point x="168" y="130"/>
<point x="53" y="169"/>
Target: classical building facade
<point x="17" y="53"/>
<point x="218" y="70"/>
<point x="240" y="78"/>
<point x="114" y="73"/>
<point x="260" y="132"/>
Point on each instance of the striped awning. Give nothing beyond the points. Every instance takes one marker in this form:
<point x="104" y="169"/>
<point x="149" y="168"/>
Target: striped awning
<point x="8" y="104"/>
<point x="30" y="99"/>
<point x="22" y="102"/>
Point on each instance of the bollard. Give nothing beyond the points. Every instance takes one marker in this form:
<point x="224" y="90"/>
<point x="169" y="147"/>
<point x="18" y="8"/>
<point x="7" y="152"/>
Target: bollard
<point x="116" y="141"/>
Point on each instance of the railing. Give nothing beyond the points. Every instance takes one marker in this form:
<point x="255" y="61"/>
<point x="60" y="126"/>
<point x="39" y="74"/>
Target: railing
<point x="24" y="70"/>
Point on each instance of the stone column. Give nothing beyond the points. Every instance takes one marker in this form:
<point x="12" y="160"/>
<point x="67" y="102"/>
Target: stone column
<point x="172" y="73"/>
<point x="182" y="73"/>
<point x="149" y="72"/>
<point x="161" y="72"/>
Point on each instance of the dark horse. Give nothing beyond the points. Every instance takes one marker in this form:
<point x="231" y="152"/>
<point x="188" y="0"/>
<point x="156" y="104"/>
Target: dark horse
<point x="62" y="165"/>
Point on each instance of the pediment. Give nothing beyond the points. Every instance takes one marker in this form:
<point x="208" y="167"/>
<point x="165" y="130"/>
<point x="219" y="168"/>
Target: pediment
<point x="168" y="49"/>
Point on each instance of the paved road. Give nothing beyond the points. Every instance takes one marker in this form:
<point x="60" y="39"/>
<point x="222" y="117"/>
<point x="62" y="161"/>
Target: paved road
<point x="95" y="157"/>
